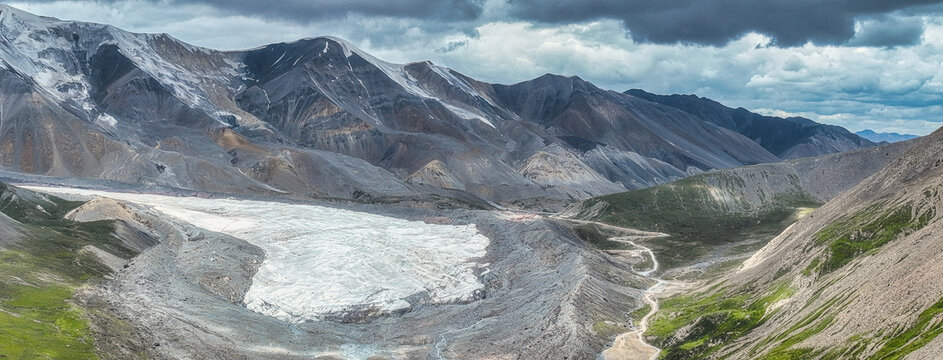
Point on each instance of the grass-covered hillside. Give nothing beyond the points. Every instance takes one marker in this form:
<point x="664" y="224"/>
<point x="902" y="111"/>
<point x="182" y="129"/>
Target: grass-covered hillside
<point x="704" y="212"/>
<point x="42" y="264"/>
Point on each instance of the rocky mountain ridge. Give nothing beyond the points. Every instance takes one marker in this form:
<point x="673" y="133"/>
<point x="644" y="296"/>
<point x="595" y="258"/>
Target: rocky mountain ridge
<point x="787" y="138"/>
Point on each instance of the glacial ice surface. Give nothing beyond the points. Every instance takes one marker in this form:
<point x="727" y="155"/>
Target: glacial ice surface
<point x="325" y="261"/>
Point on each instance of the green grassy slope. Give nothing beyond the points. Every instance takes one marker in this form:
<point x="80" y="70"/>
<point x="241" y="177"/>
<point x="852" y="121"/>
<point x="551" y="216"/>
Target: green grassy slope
<point x="40" y="272"/>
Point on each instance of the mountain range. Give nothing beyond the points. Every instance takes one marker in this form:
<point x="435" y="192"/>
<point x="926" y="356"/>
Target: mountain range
<point x="320" y="118"/>
<point x="880" y="137"/>
<point x="787" y="138"/>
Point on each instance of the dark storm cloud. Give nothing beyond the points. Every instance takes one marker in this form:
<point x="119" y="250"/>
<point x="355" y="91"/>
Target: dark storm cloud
<point x="888" y="31"/>
<point x="716" y="22"/>
<point x="304" y="11"/>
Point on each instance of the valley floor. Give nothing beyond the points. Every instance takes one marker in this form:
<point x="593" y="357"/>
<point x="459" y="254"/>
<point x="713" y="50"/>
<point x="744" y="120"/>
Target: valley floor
<point x="340" y="280"/>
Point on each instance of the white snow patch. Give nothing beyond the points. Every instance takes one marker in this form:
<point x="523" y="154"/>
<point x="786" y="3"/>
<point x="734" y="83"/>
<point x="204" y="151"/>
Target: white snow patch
<point x="467" y="114"/>
<point x="107" y="120"/>
<point x="446" y="74"/>
<point x="220" y="114"/>
<point x="279" y="59"/>
<point x="321" y="260"/>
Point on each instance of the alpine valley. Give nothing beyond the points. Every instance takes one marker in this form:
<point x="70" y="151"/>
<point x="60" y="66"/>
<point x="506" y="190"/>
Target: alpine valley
<point x="308" y="200"/>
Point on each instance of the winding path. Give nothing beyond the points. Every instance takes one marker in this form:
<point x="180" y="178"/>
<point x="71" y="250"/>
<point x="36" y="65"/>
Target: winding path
<point x="632" y="345"/>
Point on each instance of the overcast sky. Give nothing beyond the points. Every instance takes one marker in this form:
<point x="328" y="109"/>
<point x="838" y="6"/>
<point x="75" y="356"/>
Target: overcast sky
<point x="857" y="63"/>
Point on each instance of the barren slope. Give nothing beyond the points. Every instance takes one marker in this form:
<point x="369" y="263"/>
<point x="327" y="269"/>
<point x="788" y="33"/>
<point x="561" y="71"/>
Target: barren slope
<point x="857" y="278"/>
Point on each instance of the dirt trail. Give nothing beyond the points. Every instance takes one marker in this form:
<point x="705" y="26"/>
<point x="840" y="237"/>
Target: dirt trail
<point x="632" y="345"/>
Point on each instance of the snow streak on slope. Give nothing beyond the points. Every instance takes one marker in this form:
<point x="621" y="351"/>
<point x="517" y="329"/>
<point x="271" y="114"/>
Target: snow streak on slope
<point x="324" y="261"/>
<point x="398" y="74"/>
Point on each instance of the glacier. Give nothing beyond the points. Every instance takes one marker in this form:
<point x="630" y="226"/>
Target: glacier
<point x="322" y="261"/>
